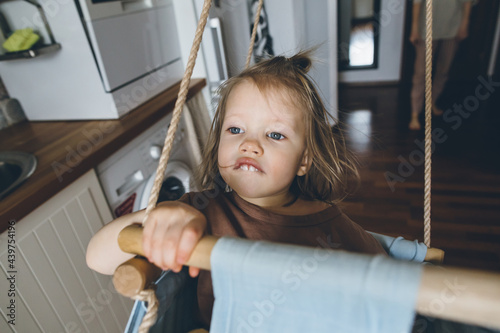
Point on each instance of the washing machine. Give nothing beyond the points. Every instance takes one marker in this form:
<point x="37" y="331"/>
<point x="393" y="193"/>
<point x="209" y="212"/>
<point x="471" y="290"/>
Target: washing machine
<point x="127" y="176"/>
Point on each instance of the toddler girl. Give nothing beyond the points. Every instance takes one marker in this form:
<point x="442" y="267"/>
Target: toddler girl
<point x="272" y="170"/>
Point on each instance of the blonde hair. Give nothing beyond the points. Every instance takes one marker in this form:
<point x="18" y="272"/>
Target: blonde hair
<point x="332" y="168"/>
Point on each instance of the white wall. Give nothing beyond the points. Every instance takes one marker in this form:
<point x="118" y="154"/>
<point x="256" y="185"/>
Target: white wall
<point x="390" y="47"/>
<point x="298" y="25"/>
<point x="286" y="25"/>
<point x="186" y="26"/>
<point x="321" y="29"/>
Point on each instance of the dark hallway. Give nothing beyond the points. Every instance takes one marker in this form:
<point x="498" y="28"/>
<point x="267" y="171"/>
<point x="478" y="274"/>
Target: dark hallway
<point x="465" y="168"/>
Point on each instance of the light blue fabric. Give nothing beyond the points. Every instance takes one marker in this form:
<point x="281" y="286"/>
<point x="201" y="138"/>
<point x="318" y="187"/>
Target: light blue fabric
<point x="267" y="287"/>
<point x="400" y="248"/>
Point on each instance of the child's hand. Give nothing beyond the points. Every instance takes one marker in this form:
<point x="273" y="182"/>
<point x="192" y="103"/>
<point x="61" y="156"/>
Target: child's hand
<point x="171" y="232"/>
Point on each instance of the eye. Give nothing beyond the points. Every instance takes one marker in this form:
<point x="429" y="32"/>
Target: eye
<point x="276" y="136"/>
<point x="235" y="130"/>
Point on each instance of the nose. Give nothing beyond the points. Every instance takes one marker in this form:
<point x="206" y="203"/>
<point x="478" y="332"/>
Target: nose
<point x="251" y="147"/>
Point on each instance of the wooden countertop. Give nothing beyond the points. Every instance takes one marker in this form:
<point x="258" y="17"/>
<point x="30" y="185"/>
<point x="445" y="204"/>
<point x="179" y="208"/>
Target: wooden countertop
<point x="65" y="150"/>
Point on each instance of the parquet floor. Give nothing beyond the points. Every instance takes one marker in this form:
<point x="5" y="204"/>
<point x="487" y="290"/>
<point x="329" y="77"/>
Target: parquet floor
<point x="465" y="171"/>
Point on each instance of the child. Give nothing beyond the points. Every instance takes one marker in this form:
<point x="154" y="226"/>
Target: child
<point x="274" y="170"/>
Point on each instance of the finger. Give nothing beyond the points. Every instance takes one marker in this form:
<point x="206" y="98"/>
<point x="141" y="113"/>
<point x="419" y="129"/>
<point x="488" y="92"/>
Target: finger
<point x="194" y="271"/>
<point x="152" y="237"/>
<point x="153" y="225"/>
<point x="164" y="247"/>
<point x="189" y="238"/>
<point x="149" y="229"/>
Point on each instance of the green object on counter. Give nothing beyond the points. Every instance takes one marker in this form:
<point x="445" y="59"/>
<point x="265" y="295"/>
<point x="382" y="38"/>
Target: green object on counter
<point x="21" y="40"/>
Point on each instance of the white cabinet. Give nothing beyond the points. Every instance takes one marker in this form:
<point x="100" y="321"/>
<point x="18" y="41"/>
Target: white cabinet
<point x="46" y="281"/>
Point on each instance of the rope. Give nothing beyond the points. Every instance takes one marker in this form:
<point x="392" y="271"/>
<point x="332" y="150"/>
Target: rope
<point x="254" y="33"/>
<point x="179" y="104"/>
<point x="149" y="319"/>
<point x="149" y="295"/>
<point x="428" y="123"/>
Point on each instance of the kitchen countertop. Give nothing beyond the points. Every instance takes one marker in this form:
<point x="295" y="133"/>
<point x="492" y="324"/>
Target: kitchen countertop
<point x="66" y="150"/>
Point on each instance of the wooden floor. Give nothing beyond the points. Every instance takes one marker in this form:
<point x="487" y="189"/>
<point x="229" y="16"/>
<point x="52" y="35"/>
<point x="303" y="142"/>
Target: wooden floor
<point x="465" y="171"/>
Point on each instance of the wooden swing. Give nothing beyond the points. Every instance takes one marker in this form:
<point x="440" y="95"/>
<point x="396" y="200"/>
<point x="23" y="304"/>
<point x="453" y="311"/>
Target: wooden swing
<point x="478" y="304"/>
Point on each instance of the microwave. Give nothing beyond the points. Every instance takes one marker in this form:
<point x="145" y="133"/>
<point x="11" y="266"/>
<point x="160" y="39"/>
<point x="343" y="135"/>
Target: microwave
<point x="114" y="56"/>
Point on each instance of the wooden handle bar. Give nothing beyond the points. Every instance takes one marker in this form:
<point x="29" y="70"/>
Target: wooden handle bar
<point x="130" y="241"/>
<point x="138" y="274"/>
<point x="462" y="295"/>
<point x="434" y="255"/>
<point x="134" y="276"/>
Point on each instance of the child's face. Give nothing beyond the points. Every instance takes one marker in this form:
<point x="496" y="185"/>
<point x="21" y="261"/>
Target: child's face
<point x="262" y="144"/>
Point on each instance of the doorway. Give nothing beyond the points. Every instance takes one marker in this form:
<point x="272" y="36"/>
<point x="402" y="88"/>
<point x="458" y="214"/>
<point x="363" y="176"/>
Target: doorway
<point x="370" y="47"/>
<point x="358" y="34"/>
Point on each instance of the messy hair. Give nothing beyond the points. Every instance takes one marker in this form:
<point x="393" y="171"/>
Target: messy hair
<point x="332" y="170"/>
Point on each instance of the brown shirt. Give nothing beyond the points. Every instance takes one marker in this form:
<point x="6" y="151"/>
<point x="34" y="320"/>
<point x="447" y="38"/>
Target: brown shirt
<point x="229" y="215"/>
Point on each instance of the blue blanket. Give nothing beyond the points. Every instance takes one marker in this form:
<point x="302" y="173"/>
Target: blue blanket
<point x="267" y="287"/>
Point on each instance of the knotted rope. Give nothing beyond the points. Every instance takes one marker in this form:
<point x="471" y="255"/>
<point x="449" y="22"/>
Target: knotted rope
<point x="428" y="123"/>
<point x="149" y="319"/>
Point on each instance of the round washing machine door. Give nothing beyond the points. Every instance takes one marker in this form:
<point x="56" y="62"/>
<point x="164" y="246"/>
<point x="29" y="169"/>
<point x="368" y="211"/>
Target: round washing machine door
<point x="178" y="180"/>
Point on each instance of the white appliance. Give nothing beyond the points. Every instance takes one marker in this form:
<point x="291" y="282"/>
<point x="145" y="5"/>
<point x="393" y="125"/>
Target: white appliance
<point x="127" y="176"/>
<point x="114" y="56"/>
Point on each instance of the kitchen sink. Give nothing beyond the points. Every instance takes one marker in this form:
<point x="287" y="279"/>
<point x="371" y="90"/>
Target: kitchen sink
<point x="15" y="168"/>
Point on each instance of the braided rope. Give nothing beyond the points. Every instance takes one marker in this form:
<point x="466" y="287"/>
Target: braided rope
<point x="149" y="319"/>
<point x="179" y="104"/>
<point x="149" y="295"/>
<point x="254" y="33"/>
<point x="428" y="123"/>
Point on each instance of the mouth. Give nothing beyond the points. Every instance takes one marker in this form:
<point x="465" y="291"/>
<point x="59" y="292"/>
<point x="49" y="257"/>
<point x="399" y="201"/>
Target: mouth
<point x="246" y="167"/>
<point x="247" y="164"/>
